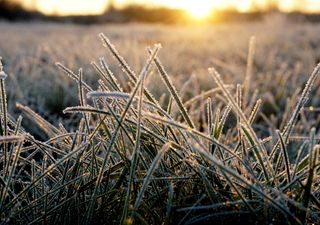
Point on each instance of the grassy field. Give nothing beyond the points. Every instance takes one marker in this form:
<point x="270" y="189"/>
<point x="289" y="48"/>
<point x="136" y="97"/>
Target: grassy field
<point x="218" y="124"/>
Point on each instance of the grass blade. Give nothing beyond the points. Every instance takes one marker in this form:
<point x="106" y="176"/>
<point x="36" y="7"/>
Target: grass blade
<point x="247" y="128"/>
<point x="285" y="156"/>
<point x="165" y="77"/>
<point x="152" y="167"/>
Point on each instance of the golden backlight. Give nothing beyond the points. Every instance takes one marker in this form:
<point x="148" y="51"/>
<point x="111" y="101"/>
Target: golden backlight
<point x="68" y="7"/>
<point x="198" y="9"/>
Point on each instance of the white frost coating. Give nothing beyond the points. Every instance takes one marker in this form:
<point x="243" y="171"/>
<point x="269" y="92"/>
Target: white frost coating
<point x="3" y="75"/>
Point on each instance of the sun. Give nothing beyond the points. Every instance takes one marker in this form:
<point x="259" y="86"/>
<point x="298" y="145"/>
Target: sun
<point x="198" y="9"/>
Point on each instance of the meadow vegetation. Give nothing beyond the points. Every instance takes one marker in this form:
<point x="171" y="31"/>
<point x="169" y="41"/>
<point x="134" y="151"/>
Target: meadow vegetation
<point x="218" y="124"/>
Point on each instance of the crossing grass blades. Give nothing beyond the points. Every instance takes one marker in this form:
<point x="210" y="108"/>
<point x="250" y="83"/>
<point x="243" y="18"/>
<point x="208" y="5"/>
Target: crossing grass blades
<point x="130" y="161"/>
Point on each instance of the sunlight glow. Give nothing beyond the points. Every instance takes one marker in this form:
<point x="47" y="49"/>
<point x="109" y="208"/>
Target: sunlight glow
<point x="198" y="9"/>
<point x="68" y="7"/>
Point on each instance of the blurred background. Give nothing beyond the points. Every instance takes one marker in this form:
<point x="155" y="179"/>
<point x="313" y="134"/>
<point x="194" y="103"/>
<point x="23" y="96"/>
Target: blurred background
<point x="195" y="35"/>
<point x="159" y="11"/>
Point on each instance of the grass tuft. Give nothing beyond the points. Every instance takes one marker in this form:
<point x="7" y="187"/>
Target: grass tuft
<point x="128" y="160"/>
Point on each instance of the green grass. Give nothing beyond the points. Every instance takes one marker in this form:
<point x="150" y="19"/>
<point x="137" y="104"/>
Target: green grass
<point x="130" y="159"/>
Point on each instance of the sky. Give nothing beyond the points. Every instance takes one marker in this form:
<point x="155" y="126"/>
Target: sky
<point x="195" y="7"/>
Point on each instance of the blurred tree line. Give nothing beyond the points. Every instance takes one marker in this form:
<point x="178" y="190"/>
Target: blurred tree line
<point x="139" y="13"/>
<point x="12" y="10"/>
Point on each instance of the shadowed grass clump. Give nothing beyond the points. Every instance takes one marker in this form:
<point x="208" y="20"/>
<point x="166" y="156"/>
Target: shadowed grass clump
<point x="131" y="161"/>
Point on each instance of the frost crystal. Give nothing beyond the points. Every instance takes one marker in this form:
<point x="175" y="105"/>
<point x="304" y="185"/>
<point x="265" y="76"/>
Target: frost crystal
<point x="3" y="75"/>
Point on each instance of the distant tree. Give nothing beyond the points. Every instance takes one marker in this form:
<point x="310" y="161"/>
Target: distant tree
<point x="110" y="6"/>
<point x="272" y="5"/>
<point x="12" y="10"/>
